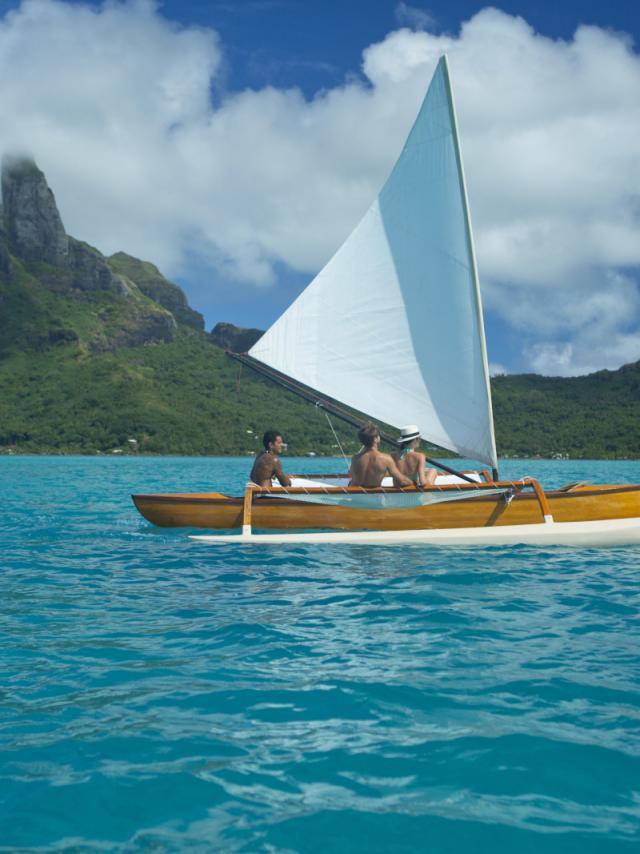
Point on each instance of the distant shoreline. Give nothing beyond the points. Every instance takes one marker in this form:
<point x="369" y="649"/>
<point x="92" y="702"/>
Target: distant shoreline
<point x="303" y="456"/>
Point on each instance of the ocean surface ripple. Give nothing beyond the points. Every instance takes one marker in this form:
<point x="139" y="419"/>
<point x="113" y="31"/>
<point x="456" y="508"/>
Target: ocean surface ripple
<point x="162" y="695"/>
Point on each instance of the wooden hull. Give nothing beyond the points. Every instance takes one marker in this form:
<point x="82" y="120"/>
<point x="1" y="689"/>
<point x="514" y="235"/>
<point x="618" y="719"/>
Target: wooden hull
<point x="218" y="511"/>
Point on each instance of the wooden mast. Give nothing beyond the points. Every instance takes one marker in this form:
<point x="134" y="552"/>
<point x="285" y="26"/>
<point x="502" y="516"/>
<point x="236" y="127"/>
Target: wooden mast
<point x="474" y="265"/>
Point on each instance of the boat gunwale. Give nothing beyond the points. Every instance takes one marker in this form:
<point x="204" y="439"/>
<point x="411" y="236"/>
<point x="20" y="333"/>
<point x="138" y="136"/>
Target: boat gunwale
<point x="281" y="493"/>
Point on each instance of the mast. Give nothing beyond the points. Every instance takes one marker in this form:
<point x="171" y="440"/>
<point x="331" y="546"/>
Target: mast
<point x="472" y="253"/>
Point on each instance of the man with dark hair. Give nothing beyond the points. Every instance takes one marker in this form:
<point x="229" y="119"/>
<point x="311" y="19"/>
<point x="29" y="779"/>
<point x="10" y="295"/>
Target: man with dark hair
<point x="369" y="466"/>
<point x="267" y="464"/>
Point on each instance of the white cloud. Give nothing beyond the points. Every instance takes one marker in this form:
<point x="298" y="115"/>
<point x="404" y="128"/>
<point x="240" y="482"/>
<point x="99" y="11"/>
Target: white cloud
<point x="590" y="355"/>
<point x="116" y="105"/>
<point x="414" y="17"/>
<point x="603" y="325"/>
<point x="497" y="370"/>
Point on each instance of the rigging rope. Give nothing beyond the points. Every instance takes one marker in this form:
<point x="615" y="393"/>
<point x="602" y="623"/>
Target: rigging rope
<point x="335" y="435"/>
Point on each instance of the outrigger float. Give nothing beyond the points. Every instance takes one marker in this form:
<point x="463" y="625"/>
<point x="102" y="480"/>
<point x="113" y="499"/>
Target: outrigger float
<point x="392" y="327"/>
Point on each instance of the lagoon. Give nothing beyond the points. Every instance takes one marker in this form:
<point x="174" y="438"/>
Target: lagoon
<point x="159" y="694"/>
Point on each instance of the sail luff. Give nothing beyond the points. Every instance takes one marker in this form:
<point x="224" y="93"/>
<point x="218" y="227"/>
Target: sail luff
<point x="472" y="253"/>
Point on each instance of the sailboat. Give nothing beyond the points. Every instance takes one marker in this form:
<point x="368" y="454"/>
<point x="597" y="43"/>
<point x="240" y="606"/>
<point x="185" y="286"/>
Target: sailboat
<point x="392" y="327"/>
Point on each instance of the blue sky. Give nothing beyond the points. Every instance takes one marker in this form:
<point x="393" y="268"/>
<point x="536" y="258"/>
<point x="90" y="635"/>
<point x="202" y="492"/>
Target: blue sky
<point x="314" y="44"/>
<point x="236" y="143"/>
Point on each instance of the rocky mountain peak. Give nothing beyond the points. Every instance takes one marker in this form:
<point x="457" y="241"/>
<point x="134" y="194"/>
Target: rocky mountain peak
<point x="153" y="284"/>
<point x="32" y="224"/>
<point x="4" y="248"/>
<point x="40" y="263"/>
<point x="234" y="338"/>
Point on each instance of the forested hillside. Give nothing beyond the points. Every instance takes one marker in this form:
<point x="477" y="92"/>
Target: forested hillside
<point x="104" y="354"/>
<point x="587" y="417"/>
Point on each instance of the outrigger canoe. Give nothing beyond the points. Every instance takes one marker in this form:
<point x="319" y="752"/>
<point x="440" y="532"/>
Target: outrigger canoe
<point x="392" y="328"/>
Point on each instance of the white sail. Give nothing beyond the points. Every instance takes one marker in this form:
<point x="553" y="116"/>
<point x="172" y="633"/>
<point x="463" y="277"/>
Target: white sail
<point x="392" y="325"/>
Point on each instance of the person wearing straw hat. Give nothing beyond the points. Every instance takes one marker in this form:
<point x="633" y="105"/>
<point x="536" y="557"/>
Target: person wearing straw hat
<point x="411" y="461"/>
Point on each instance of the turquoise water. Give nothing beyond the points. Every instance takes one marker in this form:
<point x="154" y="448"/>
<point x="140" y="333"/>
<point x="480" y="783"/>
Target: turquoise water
<point x="163" y="695"/>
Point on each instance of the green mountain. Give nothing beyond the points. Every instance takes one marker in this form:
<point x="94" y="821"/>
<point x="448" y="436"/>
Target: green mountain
<point x="594" y="416"/>
<point x="96" y="352"/>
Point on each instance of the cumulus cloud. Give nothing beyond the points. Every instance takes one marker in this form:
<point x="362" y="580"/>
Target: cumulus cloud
<point x="497" y="370"/>
<point x="147" y="151"/>
<point x="603" y="322"/>
<point x="414" y="17"/>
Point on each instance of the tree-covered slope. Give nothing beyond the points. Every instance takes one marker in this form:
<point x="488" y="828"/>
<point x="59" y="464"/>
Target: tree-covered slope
<point x="591" y="416"/>
<point x="183" y="397"/>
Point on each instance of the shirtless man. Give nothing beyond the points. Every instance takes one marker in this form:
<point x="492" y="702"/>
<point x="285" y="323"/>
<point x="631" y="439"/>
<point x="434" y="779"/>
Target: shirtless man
<point x="369" y="465"/>
<point x="267" y="464"/>
<point x="411" y="461"/>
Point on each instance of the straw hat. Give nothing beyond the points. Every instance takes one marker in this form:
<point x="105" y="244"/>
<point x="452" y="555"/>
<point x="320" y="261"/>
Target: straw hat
<point x="409" y="433"/>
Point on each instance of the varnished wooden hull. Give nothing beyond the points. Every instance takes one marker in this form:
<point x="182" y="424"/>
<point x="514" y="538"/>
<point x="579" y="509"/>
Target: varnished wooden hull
<point x="218" y="511"/>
